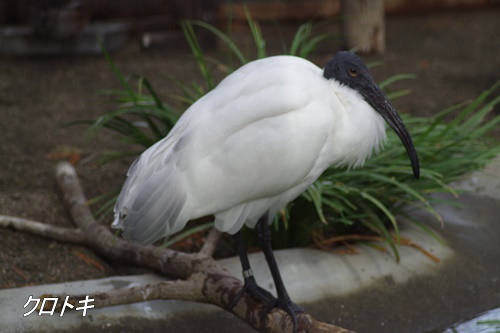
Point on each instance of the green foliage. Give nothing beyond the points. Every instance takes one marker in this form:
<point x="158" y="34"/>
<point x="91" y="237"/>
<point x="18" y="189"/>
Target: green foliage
<point x="384" y="188"/>
<point x="341" y="200"/>
<point x="140" y="119"/>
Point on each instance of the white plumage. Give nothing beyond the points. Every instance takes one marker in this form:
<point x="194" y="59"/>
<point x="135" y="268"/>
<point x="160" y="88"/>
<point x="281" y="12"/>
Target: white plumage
<point x="248" y="147"/>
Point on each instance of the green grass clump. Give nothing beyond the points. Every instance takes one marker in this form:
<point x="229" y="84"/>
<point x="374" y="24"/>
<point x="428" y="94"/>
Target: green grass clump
<point x="341" y="201"/>
<point x="384" y="188"/>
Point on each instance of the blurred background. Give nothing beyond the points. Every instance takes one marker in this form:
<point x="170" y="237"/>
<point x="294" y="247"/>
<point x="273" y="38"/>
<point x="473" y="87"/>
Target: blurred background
<point x="53" y="72"/>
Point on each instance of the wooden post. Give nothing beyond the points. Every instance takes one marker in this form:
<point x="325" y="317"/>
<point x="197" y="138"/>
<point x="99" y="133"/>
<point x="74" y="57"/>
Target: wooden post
<point x="363" y="25"/>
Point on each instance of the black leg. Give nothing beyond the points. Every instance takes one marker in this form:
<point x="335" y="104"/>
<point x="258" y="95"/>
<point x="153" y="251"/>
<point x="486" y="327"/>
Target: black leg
<point x="283" y="301"/>
<point x="250" y="286"/>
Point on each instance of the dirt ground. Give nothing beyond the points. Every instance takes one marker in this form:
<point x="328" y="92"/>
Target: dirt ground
<point x="455" y="55"/>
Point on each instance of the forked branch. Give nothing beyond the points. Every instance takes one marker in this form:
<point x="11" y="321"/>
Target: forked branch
<point x="198" y="277"/>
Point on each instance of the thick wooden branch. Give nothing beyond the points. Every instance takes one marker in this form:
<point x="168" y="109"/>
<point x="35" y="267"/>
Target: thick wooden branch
<point x="181" y="290"/>
<point x="213" y="288"/>
<point x="200" y="277"/>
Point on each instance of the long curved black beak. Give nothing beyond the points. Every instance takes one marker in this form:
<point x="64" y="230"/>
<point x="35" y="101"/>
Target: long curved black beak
<point x="381" y="104"/>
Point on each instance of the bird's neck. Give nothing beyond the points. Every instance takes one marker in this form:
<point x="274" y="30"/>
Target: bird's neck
<point x="360" y="130"/>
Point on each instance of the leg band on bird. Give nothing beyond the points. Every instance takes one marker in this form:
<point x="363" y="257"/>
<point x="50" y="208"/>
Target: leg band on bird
<point x="247" y="273"/>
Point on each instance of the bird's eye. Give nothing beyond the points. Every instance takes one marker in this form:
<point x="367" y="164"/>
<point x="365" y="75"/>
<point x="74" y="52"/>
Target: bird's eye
<point x="353" y="72"/>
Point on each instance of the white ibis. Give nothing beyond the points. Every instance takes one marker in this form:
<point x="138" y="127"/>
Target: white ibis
<point x="253" y="144"/>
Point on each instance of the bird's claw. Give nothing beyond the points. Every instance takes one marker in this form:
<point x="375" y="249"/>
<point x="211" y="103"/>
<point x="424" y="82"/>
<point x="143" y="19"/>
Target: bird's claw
<point x="255" y="291"/>
<point x="260" y="294"/>
<point x="286" y="305"/>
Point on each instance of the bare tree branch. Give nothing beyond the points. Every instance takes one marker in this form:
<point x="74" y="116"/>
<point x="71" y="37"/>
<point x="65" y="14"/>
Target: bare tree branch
<point x="99" y="238"/>
<point x="202" y="279"/>
<point x="210" y="244"/>
<point x="41" y="229"/>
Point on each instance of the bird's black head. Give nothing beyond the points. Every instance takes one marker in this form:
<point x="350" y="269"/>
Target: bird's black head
<point x="348" y="69"/>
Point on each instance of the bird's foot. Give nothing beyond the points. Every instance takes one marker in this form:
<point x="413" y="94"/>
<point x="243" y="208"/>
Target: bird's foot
<point x="255" y="291"/>
<point x="286" y="305"/>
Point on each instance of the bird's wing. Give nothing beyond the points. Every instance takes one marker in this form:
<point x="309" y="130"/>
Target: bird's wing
<point x="151" y="194"/>
<point x="259" y="134"/>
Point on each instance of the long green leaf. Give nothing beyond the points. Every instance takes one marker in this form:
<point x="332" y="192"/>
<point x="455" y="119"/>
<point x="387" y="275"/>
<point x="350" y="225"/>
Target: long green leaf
<point x="192" y="40"/>
<point x="225" y="38"/>
<point x="260" y="42"/>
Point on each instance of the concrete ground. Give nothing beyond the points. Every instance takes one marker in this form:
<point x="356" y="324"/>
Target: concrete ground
<point x="456" y="56"/>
